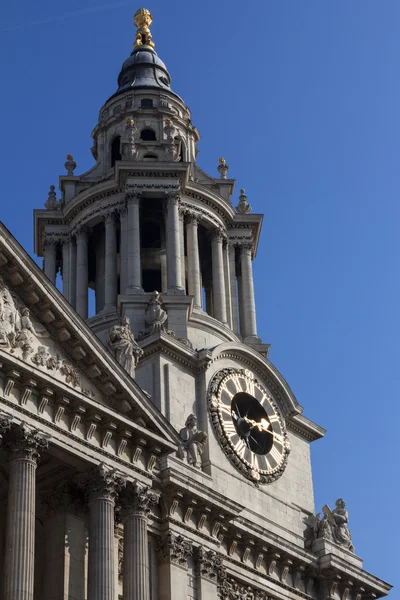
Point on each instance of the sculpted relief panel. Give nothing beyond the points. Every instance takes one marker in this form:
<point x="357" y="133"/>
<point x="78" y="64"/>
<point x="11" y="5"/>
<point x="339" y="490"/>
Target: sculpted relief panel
<point x="23" y="336"/>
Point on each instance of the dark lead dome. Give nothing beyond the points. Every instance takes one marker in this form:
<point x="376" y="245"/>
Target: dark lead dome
<point x="143" y="69"/>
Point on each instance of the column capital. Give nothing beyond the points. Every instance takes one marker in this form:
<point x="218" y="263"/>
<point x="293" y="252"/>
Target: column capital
<point x="51" y="239"/>
<point x="173" y="196"/>
<point x="80" y="232"/>
<point x="101" y="482"/>
<point x="23" y="441"/>
<point x="192" y="216"/>
<point x="218" y="234"/>
<point x="5" y="422"/>
<point x="209" y="564"/>
<point x="109" y="216"/>
<point x="175" y="549"/>
<point x="245" y="246"/>
<point x="137" y="500"/>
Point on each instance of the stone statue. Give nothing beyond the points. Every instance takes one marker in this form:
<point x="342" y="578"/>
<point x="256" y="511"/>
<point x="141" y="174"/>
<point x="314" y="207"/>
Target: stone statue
<point x="333" y="526"/>
<point x="128" y="144"/>
<point x="193" y="442"/>
<point x="16" y="327"/>
<point x="123" y="346"/>
<point x="155" y="315"/>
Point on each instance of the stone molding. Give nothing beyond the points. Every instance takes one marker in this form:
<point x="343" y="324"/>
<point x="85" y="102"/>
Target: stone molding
<point x="25" y="442"/>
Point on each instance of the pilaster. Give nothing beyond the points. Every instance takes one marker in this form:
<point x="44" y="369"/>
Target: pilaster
<point x="173" y="552"/>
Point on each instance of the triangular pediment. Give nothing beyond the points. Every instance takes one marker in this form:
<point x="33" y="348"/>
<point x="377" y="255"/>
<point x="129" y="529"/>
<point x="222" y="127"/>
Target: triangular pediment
<point x="44" y="340"/>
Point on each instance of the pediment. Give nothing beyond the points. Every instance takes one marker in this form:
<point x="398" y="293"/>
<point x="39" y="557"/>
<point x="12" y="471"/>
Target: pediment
<point x="43" y="337"/>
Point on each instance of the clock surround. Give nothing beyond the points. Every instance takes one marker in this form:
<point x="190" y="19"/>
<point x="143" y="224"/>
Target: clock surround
<point x="248" y="425"/>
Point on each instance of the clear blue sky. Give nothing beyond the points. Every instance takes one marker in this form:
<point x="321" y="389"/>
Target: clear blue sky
<point x="302" y="98"/>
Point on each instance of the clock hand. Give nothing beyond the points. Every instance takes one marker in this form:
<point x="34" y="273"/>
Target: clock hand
<point x="263" y="425"/>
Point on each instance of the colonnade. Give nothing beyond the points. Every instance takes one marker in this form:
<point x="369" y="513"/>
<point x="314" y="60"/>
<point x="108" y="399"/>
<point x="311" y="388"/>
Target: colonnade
<point x="101" y="486"/>
<point x="229" y="294"/>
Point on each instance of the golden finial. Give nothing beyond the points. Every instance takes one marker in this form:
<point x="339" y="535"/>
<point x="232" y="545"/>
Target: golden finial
<point x="143" y="19"/>
<point x="69" y="157"/>
<point x="221" y="161"/>
<point x="130" y="122"/>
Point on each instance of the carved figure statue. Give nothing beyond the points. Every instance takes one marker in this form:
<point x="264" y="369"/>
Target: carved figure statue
<point x="155" y="315"/>
<point x="333" y="526"/>
<point x="25" y="333"/>
<point x="128" y="145"/>
<point x="8" y="316"/>
<point x="123" y="346"/>
<point x="193" y="442"/>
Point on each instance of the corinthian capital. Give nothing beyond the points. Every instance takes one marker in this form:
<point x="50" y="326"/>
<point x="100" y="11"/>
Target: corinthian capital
<point x="138" y="499"/>
<point x="175" y="549"/>
<point x="173" y="196"/>
<point x="5" y="422"/>
<point x="23" y="441"/>
<point x="101" y="482"/>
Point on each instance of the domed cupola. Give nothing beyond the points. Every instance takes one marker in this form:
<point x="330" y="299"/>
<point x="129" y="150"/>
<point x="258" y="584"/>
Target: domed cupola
<point x="143" y="69"/>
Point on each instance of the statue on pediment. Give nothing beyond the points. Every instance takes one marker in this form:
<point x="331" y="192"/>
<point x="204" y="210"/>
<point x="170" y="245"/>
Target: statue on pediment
<point x="16" y="327"/>
<point x="123" y="346"/>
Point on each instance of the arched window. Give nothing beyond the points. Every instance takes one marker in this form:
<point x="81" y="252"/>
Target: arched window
<point x="150" y="157"/>
<point x="146" y="103"/>
<point x="115" y="150"/>
<point x="148" y="135"/>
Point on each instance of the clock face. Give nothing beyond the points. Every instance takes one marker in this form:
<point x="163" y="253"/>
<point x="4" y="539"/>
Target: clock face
<point x="248" y="423"/>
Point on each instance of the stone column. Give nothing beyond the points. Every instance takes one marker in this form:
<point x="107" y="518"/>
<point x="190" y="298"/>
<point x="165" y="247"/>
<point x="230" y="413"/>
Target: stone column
<point x="72" y="271"/>
<point x="134" y="263"/>
<point x="225" y="250"/>
<point x="100" y="270"/>
<point x="173" y="552"/>
<point x="173" y="244"/>
<point x="233" y="289"/>
<point x="50" y="249"/>
<point x="194" y="278"/>
<point x="24" y="445"/>
<point x="111" y="275"/>
<point x="137" y="502"/>
<point x="65" y="267"/>
<point x="123" y="250"/>
<point x="249" y="331"/>
<point x="182" y="239"/>
<point x="82" y="273"/>
<point x="241" y="304"/>
<point x="101" y="485"/>
<point x="218" y="277"/>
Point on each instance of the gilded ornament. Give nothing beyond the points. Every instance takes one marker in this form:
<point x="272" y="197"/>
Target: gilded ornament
<point x="143" y="19"/>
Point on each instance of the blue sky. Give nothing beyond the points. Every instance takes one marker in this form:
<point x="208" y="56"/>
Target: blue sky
<point x="301" y="97"/>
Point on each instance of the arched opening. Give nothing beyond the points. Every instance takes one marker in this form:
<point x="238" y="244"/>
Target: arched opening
<point x="148" y="135"/>
<point x="150" y="157"/>
<point x="115" y="150"/>
<point x="146" y="103"/>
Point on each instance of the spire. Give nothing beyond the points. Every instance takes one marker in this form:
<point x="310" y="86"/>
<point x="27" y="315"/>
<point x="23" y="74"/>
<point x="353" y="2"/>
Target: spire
<point x="143" y="19"/>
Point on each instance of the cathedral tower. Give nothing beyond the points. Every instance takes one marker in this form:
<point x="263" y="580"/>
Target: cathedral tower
<point x="167" y="456"/>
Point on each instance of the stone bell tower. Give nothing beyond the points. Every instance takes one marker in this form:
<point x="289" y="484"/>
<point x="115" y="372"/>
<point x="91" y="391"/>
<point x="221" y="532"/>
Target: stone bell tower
<point x="148" y="244"/>
<point x="146" y="217"/>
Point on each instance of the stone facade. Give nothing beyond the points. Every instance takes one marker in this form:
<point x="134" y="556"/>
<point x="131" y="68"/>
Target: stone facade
<point x="123" y="471"/>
